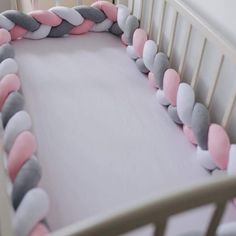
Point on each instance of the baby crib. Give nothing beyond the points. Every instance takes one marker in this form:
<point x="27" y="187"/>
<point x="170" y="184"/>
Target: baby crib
<point x="217" y="190"/>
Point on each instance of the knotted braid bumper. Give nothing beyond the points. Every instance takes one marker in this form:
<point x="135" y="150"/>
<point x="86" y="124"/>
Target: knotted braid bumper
<point x="59" y="21"/>
<point x="20" y="143"/>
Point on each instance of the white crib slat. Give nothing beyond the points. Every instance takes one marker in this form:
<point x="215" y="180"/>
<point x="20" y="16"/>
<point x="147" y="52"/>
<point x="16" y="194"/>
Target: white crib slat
<point x="161" y="22"/>
<point x="140" y="14"/>
<point x="5" y="204"/>
<point x="214" y="190"/>
<point x="214" y="82"/>
<point x="228" y="112"/>
<point x="185" y="49"/>
<point x="35" y="4"/>
<point x="172" y="34"/>
<point x="131" y="5"/>
<point x="199" y="62"/>
<point x="150" y="18"/>
<point x="140" y="10"/>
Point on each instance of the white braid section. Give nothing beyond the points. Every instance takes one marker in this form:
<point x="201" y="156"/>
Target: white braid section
<point x="122" y="15"/>
<point x="33" y="208"/>
<point x="41" y="33"/>
<point x="68" y="14"/>
<point x="6" y="23"/>
<point x="8" y="66"/>
<point x="131" y="52"/>
<point x="18" y="123"/>
<point x="103" y="26"/>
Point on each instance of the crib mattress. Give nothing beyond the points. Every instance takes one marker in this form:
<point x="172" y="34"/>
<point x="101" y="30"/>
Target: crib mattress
<point x="104" y="141"/>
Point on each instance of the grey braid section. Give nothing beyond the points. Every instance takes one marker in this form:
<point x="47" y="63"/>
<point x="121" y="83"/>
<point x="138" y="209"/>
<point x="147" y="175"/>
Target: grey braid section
<point x="13" y="104"/>
<point x="116" y="30"/>
<point x="27" y="178"/>
<point x="32" y="27"/>
<point x="6" y="51"/>
<point x="64" y="28"/>
<point x="19" y="18"/>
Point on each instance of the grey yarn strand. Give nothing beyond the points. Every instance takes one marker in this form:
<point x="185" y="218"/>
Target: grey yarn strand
<point x="64" y="28"/>
<point x="91" y="13"/>
<point x="19" y="18"/>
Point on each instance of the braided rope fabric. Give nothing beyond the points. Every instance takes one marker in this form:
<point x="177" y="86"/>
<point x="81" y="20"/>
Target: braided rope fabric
<point x="59" y="21"/>
<point x="31" y="203"/>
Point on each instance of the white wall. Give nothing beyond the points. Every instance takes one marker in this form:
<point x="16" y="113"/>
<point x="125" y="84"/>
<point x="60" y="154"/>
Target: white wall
<point x="219" y="13"/>
<point x="5" y="5"/>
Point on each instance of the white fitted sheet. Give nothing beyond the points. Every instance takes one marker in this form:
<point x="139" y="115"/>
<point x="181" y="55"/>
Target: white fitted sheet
<point x="103" y="140"/>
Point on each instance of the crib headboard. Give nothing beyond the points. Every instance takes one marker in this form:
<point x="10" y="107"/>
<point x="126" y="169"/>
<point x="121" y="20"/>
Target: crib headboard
<point x="176" y="28"/>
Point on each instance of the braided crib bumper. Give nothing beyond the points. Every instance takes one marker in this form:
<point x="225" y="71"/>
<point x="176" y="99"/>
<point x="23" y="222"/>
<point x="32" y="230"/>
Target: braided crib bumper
<point x="31" y="203"/>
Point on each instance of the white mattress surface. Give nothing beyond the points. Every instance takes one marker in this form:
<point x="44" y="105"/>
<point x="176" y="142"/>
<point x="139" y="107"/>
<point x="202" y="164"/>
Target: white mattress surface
<point x="103" y="140"/>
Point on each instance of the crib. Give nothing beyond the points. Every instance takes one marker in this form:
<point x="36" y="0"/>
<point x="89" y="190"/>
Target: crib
<point x="122" y="172"/>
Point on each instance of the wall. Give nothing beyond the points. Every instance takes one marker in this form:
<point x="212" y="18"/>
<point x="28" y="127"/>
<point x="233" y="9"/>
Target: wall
<point x="4" y="5"/>
<point x="219" y="13"/>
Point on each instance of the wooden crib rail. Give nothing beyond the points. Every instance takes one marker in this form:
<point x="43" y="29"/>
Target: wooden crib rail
<point x="156" y="212"/>
<point x="5" y="201"/>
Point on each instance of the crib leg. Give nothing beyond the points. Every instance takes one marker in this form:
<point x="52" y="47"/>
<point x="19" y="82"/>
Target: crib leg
<point x="215" y="220"/>
<point x="160" y="228"/>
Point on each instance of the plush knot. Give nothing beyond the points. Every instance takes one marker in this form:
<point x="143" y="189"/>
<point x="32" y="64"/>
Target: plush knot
<point x="31" y="203"/>
<point x="59" y="21"/>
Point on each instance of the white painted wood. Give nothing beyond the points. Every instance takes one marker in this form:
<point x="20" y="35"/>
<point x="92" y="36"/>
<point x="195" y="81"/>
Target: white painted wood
<point x="214" y="82"/>
<point x="150" y="17"/>
<point x="213" y="191"/>
<point x="198" y="65"/>
<point x="131" y="5"/>
<point x="138" y="8"/>
<point x="205" y="29"/>
<point x="172" y="34"/>
<point x="35" y="4"/>
<point x="161" y="22"/>
<point x="185" y="49"/>
<point x="228" y="111"/>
